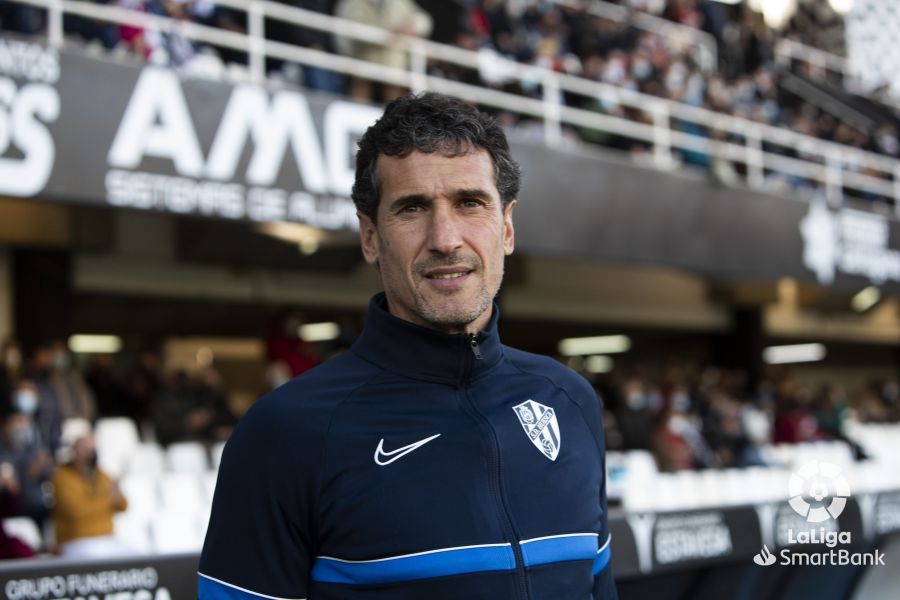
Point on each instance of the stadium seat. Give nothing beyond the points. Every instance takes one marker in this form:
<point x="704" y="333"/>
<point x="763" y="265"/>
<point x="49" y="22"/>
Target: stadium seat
<point x="187" y="457"/>
<point x="615" y="475"/>
<point x="686" y="488"/>
<point x="133" y="530"/>
<point x="147" y="459"/>
<point x="639" y="476"/>
<point x="141" y="493"/>
<point x="117" y="438"/>
<point x="181" y="492"/>
<point x="209" y="484"/>
<point x="174" y="532"/>
<point x="216" y="454"/>
<point x="26" y="530"/>
<point x="203" y="520"/>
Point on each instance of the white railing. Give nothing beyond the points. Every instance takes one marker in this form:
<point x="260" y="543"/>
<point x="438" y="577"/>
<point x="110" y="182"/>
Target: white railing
<point x="787" y="51"/>
<point x="832" y="166"/>
<point x="703" y="45"/>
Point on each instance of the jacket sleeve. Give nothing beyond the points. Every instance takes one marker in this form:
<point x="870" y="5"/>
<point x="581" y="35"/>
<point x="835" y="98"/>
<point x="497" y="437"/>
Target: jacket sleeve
<point x="604" y="585"/>
<point x="260" y="539"/>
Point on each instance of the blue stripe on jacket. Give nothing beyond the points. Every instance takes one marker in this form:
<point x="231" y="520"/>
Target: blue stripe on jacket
<point x="435" y="563"/>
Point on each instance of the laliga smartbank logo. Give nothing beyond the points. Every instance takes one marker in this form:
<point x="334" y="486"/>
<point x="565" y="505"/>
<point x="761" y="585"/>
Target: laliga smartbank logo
<point x="817" y="481"/>
<point x="818" y="492"/>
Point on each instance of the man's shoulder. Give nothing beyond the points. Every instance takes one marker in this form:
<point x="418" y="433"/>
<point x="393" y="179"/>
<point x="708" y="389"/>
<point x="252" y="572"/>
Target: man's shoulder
<point x="540" y="365"/>
<point x="307" y="403"/>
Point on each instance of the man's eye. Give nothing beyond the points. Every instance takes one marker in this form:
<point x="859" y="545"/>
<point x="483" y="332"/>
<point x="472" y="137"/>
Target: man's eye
<point x="412" y="208"/>
<point x="472" y="203"/>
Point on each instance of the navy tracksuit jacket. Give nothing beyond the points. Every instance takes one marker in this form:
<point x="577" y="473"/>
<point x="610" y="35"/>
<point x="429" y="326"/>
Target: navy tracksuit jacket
<point x="417" y="465"/>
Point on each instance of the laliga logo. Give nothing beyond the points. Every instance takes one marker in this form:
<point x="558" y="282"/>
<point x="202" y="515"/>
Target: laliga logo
<point x="818" y="493"/>
<point x="817" y="481"/>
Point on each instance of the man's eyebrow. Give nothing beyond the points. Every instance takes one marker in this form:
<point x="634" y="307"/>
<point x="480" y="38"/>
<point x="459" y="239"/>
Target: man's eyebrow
<point x="473" y="193"/>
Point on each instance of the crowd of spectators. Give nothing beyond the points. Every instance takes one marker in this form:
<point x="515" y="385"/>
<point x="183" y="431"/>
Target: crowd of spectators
<point x="48" y="459"/>
<point x="689" y="419"/>
<point x="745" y="83"/>
<point x="715" y="418"/>
<point x="50" y="399"/>
<point x="565" y="37"/>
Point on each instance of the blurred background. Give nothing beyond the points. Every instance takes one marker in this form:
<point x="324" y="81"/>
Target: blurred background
<point x="709" y="231"/>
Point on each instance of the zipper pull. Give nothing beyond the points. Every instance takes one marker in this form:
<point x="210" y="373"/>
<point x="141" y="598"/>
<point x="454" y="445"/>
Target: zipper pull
<point x="473" y="343"/>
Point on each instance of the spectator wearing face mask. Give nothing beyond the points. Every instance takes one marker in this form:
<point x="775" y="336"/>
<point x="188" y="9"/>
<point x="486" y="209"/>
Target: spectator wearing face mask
<point x="22" y="447"/>
<point x="86" y="498"/>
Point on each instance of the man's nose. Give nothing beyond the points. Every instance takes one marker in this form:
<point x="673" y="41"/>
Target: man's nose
<point x="444" y="235"/>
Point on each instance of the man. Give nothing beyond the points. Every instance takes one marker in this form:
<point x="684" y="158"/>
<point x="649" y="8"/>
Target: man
<point x="429" y="461"/>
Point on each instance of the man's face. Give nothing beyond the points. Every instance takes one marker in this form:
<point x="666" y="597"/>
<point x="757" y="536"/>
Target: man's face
<point x="440" y="239"/>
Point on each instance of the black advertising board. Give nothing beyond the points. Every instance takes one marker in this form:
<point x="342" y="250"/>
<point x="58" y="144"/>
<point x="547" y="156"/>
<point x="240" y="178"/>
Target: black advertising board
<point x="172" y="577"/>
<point x="886" y="517"/>
<point x="624" y="555"/>
<point x="704" y="536"/>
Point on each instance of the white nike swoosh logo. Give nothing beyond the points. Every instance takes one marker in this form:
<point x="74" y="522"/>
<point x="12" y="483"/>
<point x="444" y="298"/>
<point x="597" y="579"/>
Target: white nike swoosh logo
<point x="399" y="452"/>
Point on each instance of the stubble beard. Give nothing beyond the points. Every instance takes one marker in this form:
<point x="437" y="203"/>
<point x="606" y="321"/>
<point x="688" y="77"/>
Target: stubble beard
<point x="457" y="317"/>
<point x="433" y="313"/>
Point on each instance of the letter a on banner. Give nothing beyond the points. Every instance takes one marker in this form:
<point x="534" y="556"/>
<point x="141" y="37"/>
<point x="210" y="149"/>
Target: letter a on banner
<point x="273" y="127"/>
<point x="157" y="123"/>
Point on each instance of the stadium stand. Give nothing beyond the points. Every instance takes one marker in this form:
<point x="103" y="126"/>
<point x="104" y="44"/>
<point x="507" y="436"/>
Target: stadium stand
<point x="734" y="68"/>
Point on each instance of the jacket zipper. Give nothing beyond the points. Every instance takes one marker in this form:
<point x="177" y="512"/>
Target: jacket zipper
<point x="473" y="344"/>
<point x="496" y="468"/>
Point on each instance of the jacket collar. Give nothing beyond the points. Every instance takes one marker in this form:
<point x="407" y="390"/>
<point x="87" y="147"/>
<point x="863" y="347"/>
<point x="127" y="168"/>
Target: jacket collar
<point x="414" y="351"/>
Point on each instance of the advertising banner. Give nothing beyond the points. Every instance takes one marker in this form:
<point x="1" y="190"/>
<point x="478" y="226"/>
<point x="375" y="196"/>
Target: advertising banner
<point x="171" y="577"/>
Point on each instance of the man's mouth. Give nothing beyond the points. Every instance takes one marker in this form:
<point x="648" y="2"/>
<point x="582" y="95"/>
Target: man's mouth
<point x="449" y="272"/>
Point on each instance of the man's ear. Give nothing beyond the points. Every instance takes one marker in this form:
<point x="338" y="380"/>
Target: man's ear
<point x="368" y="238"/>
<point x="509" y="234"/>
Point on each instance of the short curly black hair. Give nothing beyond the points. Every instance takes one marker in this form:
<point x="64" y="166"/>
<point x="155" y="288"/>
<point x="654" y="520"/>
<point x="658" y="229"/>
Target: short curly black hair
<point x="429" y="123"/>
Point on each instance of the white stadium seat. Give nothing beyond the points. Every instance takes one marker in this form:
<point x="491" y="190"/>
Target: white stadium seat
<point x="187" y="457"/>
<point x="615" y="475"/>
<point x="26" y="530"/>
<point x="133" y="530"/>
<point x="148" y="459"/>
<point x="203" y="520"/>
<point x="640" y="475"/>
<point x="216" y="454"/>
<point x="182" y="492"/>
<point x="117" y="439"/>
<point x="141" y="493"/>
<point x="209" y="484"/>
<point x="174" y="532"/>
